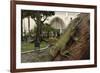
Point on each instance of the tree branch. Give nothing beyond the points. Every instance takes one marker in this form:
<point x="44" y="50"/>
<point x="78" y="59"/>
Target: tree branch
<point x="44" y="19"/>
<point x="34" y="19"/>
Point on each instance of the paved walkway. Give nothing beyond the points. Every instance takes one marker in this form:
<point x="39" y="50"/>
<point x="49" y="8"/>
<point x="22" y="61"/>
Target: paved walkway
<point x="35" y="56"/>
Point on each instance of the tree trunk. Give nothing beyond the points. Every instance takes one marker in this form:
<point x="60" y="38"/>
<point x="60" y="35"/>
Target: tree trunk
<point x="29" y="24"/>
<point x="21" y="28"/>
<point x="38" y="32"/>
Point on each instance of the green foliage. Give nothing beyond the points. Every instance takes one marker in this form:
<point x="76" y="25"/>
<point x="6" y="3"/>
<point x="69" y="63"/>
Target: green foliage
<point x="41" y="14"/>
<point x="39" y="17"/>
<point x="25" y="13"/>
<point x="47" y="28"/>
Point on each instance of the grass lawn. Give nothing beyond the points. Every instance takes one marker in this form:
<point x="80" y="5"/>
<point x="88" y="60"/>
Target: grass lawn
<point x="26" y="46"/>
<point x="43" y="44"/>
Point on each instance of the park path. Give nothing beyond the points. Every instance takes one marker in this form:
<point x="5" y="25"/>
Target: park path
<point x="35" y="56"/>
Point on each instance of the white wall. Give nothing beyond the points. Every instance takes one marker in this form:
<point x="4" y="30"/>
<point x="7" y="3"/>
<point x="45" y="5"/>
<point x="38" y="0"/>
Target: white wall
<point x="5" y="36"/>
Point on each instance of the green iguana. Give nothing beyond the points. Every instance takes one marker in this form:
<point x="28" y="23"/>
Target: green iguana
<point x="65" y="37"/>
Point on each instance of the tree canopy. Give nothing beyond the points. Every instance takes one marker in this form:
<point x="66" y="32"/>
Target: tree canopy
<point x="39" y="17"/>
<point x="42" y="15"/>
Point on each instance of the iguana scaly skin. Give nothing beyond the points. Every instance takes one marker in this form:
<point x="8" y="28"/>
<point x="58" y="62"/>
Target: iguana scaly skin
<point x="65" y="37"/>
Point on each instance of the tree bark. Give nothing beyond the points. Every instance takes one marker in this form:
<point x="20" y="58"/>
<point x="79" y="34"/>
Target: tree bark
<point x="29" y="24"/>
<point x="21" y="28"/>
